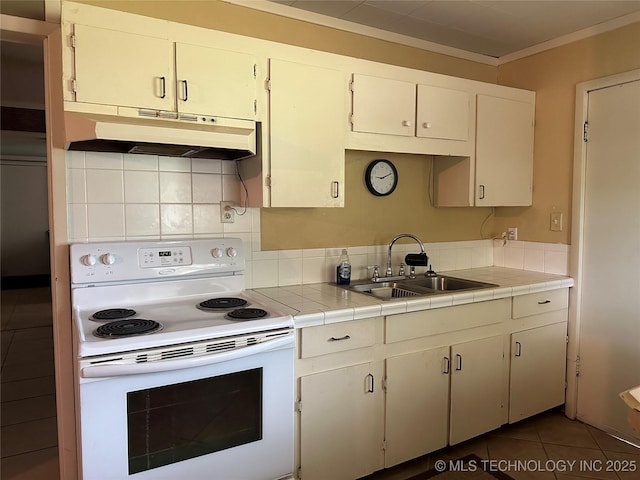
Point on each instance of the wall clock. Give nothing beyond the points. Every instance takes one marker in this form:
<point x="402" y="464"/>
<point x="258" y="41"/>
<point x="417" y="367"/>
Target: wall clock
<point x="381" y="177"/>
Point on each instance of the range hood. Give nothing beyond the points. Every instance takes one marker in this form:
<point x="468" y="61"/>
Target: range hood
<point x="189" y="136"/>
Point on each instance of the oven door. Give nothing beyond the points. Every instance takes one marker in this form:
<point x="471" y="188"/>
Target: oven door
<point x="231" y="420"/>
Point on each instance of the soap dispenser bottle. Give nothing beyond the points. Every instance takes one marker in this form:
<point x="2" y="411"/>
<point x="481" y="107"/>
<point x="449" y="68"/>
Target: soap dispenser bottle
<point x="343" y="271"/>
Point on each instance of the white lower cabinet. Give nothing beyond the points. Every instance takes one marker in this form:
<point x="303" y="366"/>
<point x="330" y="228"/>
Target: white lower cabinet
<point x="341" y="423"/>
<point x="476" y="388"/>
<point x="417" y="404"/>
<point x="538" y="366"/>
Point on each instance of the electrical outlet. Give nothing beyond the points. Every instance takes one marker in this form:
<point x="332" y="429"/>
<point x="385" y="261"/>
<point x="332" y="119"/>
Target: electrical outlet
<point x="512" y="233"/>
<point x="227" y="213"/>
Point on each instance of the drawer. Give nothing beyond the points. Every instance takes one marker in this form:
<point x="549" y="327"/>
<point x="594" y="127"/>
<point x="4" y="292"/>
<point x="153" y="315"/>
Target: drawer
<point x="541" y="302"/>
<point x="337" y="337"/>
<point x="407" y="326"/>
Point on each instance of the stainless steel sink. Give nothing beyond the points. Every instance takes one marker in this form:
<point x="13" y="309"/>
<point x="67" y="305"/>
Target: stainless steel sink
<point x="443" y="283"/>
<point x="384" y="290"/>
<point x="416" y="287"/>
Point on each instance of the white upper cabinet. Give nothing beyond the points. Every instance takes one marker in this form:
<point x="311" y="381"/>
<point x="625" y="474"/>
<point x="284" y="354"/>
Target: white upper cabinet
<point x="442" y="113"/>
<point x="217" y="81"/>
<point x="384" y="106"/>
<point x="129" y="70"/>
<point x="124" y="69"/>
<point x="307" y="118"/>
<point x="504" y="152"/>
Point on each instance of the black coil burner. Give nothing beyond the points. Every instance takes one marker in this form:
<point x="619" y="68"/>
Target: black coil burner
<point x="222" y="303"/>
<point x="247" y="314"/>
<point x="113" y="314"/>
<point x="127" y="328"/>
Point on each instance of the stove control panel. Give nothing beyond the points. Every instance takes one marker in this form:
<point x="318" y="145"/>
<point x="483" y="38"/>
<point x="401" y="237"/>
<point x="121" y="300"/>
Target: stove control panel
<point x="96" y="263"/>
<point x="164" y="257"/>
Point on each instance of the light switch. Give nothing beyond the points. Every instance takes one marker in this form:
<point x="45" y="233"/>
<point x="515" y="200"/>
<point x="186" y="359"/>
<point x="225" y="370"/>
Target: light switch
<point x="556" y="222"/>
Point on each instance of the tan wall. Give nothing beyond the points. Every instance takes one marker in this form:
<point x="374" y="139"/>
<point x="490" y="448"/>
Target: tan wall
<point x="553" y="74"/>
<point x="370" y="220"/>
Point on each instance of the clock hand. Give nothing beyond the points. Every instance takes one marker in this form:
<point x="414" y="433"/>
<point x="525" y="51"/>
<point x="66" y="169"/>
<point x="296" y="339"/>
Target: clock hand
<point x="384" y="176"/>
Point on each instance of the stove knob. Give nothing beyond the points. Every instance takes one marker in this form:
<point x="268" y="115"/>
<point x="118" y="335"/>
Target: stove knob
<point x="232" y="252"/>
<point x="216" y="253"/>
<point x="108" y="259"/>
<point x="88" y="260"/>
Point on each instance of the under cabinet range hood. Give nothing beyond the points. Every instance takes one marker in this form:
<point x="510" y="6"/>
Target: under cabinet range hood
<point x="187" y="136"/>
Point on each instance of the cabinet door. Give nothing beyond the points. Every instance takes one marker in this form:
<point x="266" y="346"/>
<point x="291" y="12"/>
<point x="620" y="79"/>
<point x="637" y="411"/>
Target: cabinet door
<point x="341" y="423"/>
<point x="442" y="113"/>
<point x="476" y="388"/>
<point x="381" y="105"/>
<point x="215" y="82"/>
<point x="504" y="152"/>
<point x="538" y="366"/>
<point x="123" y="69"/>
<point x="417" y="404"/>
<point x="307" y="115"/>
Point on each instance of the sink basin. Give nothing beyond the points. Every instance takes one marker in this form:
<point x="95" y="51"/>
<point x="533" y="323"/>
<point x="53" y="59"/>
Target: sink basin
<point x="384" y="290"/>
<point x="416" y="287"/>
<point x="443" y="283"/>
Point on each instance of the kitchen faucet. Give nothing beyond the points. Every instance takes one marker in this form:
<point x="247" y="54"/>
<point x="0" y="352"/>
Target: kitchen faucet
<point x="412" y="259"/>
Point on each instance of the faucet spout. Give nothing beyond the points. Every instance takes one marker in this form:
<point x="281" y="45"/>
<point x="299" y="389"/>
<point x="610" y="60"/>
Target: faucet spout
<point x="389" y="272"/>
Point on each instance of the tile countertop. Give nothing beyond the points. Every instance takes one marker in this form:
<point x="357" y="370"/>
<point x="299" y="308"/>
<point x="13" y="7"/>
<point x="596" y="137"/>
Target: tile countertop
<point x="322" y="303"/>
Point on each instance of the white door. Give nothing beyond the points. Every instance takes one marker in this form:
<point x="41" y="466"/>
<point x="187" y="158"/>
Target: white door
<point x="609" y="347"/>
<point x="417" y="404"/>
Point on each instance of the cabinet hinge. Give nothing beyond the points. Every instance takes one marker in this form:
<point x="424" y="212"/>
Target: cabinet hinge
<point x="74" y="85"/>
<point x="578" y="366"/>
<point x="73" y="41"/>
<point x="384" y="445"/>
<point x="255" y="70"/>
<point x="384" y="384"/>
<point x="267" y="181"/>
<point x="351" y="118"/>
<point x="267" y="84"/>
<point x="585" y="131"/>
<point x="567" y="339"/>
<point x="351" y="85"/>
<point x="299" y="473"/>
<point x="298" y="406"/>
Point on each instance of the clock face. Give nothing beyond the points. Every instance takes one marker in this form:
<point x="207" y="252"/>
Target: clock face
<point x="381" y="177"/>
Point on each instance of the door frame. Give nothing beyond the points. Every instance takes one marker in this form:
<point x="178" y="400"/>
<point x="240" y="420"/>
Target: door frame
<point x="48" y="34"/>
<point x="577" y="225"/>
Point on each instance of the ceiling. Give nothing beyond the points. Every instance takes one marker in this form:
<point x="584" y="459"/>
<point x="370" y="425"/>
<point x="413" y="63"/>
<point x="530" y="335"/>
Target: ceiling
<point x="494" y="28"/>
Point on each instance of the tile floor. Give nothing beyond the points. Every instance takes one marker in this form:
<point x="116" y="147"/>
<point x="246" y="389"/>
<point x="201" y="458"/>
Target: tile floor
<point x="29" y="440"/>
<point x="28" y="409"/>
<point x="540" y="443"/>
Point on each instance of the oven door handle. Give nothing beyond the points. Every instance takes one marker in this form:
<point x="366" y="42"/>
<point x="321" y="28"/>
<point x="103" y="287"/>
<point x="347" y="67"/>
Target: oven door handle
<point x="114" y="370"/>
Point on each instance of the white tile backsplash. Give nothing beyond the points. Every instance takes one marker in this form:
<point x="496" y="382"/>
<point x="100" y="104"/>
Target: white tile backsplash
<point x="127" y="197"/>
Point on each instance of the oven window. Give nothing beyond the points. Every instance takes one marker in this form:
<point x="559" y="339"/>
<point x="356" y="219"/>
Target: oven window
<point x="176" y="422"/>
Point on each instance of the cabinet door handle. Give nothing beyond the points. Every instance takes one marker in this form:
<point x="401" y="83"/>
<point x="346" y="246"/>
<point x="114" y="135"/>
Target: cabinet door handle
<point x="544" y="302"/>
<point x="370" y="383"/>
<point x="334" y="339"/>
<point x="481" y="192"/>
<point x="446" y="365"/>
<point x="335" y="189"/>
<point x="185" y="89"/>
<point x="518" y="349"/>
<point x="406" y="123"/>
<point x="163" y="87"/>
<point x="458" y="362"/>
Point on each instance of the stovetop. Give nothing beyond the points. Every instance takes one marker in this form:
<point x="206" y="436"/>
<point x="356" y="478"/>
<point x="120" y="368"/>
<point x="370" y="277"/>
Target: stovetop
<point x="165" y="295"/>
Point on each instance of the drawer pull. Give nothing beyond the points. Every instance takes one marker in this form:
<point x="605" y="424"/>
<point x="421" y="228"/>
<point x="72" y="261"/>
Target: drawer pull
<point x="543" y="302"/>
<point x="334" y="339"/>
<point x="518" y="349"/>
